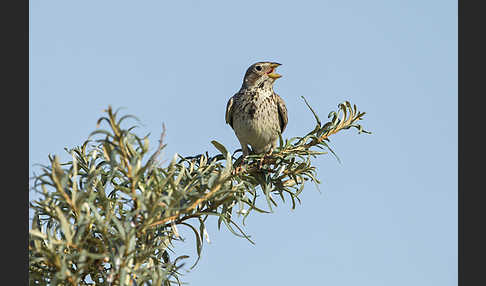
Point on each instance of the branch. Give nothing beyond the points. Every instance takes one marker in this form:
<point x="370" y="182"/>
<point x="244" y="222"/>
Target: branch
<point x="108" y="216"/>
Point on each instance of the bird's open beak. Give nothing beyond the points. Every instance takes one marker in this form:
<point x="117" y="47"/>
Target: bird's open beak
<point x="272" y="73"/>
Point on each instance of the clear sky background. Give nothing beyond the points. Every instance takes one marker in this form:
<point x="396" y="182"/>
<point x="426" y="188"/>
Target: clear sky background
<point x="386" y="215"/>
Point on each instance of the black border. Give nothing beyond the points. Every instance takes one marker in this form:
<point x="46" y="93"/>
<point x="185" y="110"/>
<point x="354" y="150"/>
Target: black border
<point x="471" y="50"/>
<point x="14" y="133"/>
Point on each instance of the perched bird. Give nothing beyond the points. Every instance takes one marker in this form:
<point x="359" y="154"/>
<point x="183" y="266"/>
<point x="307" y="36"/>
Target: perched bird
<point x="256" y="113"/>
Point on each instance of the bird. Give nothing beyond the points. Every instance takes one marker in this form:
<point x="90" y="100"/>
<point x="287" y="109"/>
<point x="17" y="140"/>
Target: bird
<point x="256" y="113"/>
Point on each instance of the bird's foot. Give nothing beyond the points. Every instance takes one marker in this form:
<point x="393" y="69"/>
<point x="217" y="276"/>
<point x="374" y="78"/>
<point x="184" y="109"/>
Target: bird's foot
<point x="265" y="156"/>
<point x="238" y="170"/>
<point x="241" y="167"/>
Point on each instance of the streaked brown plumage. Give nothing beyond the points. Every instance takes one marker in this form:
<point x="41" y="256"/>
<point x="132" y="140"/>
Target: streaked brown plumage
<point x="256" y="113"/>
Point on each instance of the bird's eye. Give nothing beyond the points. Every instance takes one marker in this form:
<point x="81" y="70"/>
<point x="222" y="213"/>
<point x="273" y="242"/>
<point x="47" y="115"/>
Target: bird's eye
<point x="258" y="68"/>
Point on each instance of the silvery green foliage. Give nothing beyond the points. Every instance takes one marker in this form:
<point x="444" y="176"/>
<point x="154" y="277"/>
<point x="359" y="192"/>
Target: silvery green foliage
<point x="110" y="215"/>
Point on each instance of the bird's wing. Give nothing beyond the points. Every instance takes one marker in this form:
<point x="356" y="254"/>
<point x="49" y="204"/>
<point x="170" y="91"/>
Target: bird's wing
<point x="282" y="112"/>
<point x="229" y="112"/>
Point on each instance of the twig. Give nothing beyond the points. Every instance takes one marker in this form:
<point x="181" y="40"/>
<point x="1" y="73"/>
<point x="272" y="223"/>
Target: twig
<point x="153" y="158"/>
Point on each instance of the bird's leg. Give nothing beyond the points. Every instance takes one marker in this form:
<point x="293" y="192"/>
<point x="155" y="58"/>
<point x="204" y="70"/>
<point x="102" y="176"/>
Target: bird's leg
<point x="244" y="149"/>
<point x="265" y="155"/>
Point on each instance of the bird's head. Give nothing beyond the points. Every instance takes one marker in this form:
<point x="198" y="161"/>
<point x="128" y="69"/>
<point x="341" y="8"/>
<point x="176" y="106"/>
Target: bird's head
<point x="261" y="74"/>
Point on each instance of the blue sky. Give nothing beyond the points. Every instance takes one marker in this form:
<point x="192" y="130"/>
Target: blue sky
<point x="386" y="215"/>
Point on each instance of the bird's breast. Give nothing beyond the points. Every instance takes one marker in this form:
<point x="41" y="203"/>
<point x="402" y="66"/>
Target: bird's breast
<point x="258" y="110"/>
<point x="256" y="119"/>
